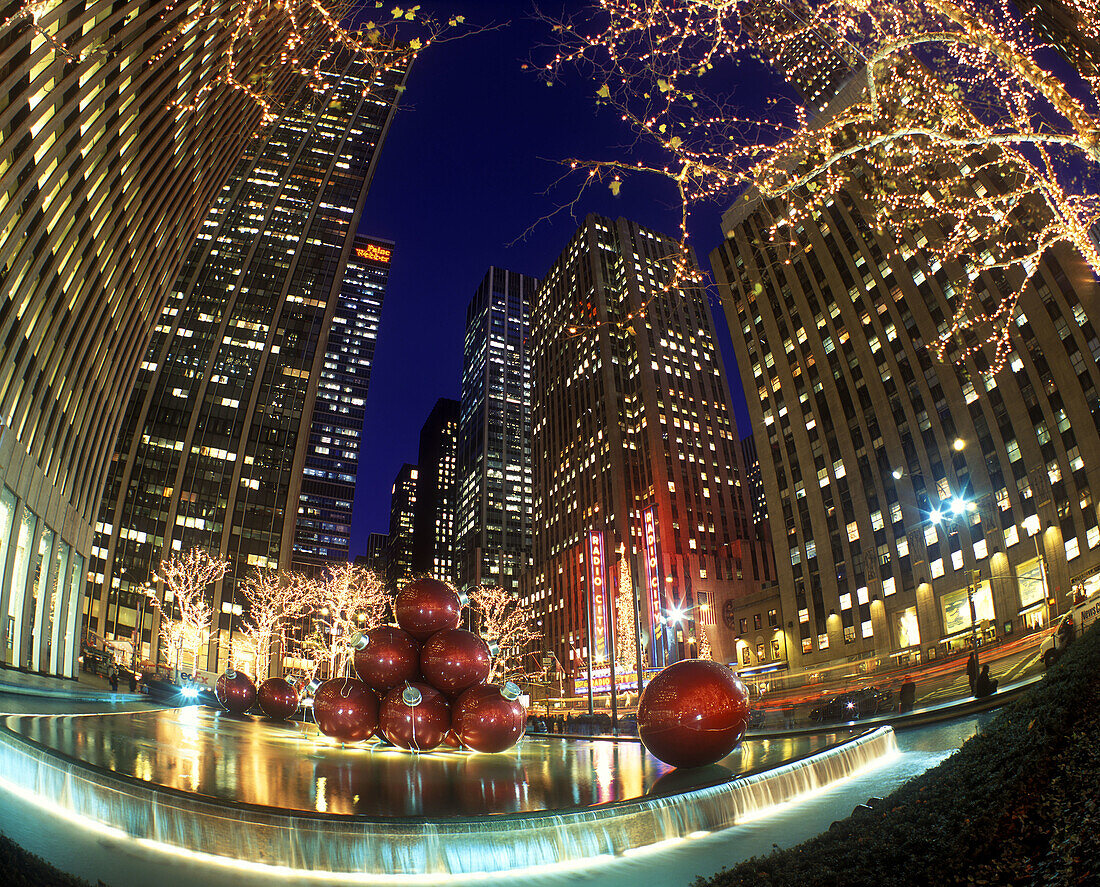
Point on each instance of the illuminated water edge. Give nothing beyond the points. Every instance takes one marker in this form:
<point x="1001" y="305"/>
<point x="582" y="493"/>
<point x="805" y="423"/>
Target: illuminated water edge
<point x="347" y="846"/>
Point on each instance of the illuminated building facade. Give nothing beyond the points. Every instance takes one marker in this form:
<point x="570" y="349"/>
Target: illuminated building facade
<point x="332" y="460"/>
<point x="436" y="492"/>
<point x="494" y="510"/>
<point x="894" y="483"/>
<point x="399" y="547"/>
<point x="635" y="455"/>
<point x="104" y="183"/>
<point x="216" y="435"/>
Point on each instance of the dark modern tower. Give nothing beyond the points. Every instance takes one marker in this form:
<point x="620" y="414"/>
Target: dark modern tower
<point x="434" y="520"/>
<point x="214" y="444"/>
<point x="104" y="183"/>
<point x="332" y="460"/>
<point x="493" y="531"/>
<point x="633" y="445"/>
<point x="399" y="548"/>
<point x="754" y="482"/>
<point x="899" y="488"/>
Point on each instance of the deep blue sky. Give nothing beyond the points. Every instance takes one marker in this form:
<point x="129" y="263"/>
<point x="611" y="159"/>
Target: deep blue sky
<point x="474" y="146"/>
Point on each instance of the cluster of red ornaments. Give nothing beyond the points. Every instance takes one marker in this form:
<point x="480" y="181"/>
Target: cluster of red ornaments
<point x="420" y="685"/>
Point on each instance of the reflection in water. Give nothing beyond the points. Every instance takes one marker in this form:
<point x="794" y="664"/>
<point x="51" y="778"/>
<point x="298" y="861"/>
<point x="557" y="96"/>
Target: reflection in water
<point x="284" y="765"/>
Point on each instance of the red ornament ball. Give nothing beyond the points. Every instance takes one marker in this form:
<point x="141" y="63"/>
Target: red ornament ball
<point x="693" y="713"/>
<point x="426" y="606"/>
<point x="278" y="699"/>
<point x="346" y="709"/>
<point x="387" y="658"/>
<point x="455" y="660"/>
<point x="415" y="717"/>
<point x="235" y="691"/>
<point x="489" y="718"/>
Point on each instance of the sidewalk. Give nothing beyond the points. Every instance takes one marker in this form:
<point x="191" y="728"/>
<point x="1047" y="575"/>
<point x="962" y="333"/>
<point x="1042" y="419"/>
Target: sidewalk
<point x="87" y="688"/>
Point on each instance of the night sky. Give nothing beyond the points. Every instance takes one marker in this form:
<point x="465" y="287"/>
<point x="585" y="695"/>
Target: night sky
<point x="463" y="174"/>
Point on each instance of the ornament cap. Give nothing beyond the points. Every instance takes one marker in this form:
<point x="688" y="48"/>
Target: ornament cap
<point x="411" y="696"/>
<point x="511" y="691"/>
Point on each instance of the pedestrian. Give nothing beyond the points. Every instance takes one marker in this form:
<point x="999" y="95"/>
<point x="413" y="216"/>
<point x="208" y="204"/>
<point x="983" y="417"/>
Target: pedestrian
<point x="907" y="695"/>
<point x="972" y="669"/>
<point x="133" y="682"/>
<point x="112" y="676"/>
<point x="985" y="686"/>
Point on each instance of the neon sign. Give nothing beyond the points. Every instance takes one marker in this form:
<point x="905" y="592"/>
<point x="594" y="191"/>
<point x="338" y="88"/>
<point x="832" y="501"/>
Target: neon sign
<point x="652" y="570"/>
<point x="374" y="253"/>
<point x="598" y="590"/>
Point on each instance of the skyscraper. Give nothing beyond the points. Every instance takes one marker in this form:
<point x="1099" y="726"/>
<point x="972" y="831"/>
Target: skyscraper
<point x="634" y="446"/>
<point x="434" y="520"/>
<point x="332" y="460"/>
<point x="493" y="529"/>
<point x="104" y="182"/>
<point x="754" y="482"/>
<point x="912" y="504"/>
<point x="399" y="547"/>
<point x="215" y="439"/>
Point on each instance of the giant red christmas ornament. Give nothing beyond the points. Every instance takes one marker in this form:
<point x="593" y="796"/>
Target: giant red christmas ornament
<point x="455" y="660"/>
<point x="387" y="657"/>
<point x="346" y="709"/>
<point x="693" y="713"/>
<point x="489" y="718"/>
<point x="235" y="691"/>
<point x="278" y="699"/>
<point x="426" y="606"/>
<point x="415" y="717"/>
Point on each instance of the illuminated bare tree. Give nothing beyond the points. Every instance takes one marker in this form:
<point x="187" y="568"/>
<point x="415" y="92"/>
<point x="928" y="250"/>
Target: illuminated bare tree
<point x="343" y="600"/>
<point x="950" y="122"/>
<point x="186" y="614"/>
<point x="504" y="621"/>
<point x="274" y="601"/>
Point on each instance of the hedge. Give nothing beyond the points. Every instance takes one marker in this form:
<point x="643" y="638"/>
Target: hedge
<point x="1018" y="804"/>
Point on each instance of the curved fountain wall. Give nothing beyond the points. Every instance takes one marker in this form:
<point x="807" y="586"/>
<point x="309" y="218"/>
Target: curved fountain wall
<point x="248" y="835"/>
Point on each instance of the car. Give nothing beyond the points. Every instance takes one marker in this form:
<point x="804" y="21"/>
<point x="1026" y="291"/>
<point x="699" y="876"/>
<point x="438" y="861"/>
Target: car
<point x="853" y="705"/>
<point x="756" y="717"/>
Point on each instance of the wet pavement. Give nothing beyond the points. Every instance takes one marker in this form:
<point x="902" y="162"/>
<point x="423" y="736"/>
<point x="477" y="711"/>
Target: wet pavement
<point x="254" y="761"/>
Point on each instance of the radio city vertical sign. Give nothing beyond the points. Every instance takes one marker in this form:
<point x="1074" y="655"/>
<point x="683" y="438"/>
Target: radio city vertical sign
<point x="597" y="585"/>
<point x="652" y="569"/>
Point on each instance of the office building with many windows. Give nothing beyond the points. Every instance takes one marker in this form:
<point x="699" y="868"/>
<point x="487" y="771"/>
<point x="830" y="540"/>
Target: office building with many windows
<point x="216" y="435"/>
<point x="399" y="545"/>
<point x="436" y="489"/>
<point x="912" y="504"/>
<point x="328" y="484"/>
<point x="104" y="183"/>
<point x="638" y="497"/>
<point x="493" y="532"/>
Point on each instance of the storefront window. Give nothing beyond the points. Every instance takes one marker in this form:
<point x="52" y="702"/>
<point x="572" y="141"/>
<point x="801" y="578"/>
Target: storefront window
<point x="908" y="629"/>
<point x="7" y="520"/>
<point x="72" y="616"/>
<point x="54" y="624"/>
<point x="1029" y="577"/>
<point x="956" y="608"/>
<point x="44" y="578"/>
<point x="21" y="574"/>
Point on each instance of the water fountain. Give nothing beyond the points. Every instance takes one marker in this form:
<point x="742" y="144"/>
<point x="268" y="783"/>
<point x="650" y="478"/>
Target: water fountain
<point x="194" y="780"/>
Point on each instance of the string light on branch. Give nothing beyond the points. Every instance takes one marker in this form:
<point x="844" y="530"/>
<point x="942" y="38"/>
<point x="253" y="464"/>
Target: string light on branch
<point x="948" y="125"/>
